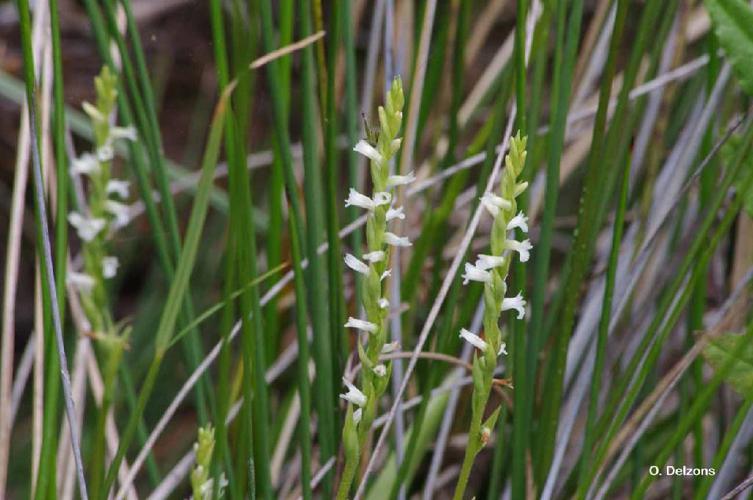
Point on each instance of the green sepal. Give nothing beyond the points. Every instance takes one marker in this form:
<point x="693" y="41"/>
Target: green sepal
<point x="372" y="292"/>
<point x="365" y="361"/>
<point x="350" y="435"/>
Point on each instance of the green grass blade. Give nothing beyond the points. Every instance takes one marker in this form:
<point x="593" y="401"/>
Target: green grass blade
<point x="323" y="347"/>
<point x="179" y="285"/>
<point x="566" y="48"/>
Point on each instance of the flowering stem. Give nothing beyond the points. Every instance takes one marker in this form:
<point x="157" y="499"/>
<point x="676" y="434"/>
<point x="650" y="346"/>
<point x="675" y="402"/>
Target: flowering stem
<point x="470" y="455"/>
<point x="349" y="473"/>
<point x="380" y="147"/>
<point x="492" y="270"/>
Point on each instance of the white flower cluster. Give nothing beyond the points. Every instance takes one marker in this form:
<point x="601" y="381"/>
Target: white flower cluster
<point x="372" y="264"/>
<point x="104" y="210"/>
<point x="492" y="269"/>
<point x="372" y="268"/>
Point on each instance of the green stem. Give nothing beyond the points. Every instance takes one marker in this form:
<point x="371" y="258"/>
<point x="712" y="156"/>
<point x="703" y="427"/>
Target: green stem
<point x="130" y="431"/>
<point x="349" y="473"/>
<point x="470" y="457"/>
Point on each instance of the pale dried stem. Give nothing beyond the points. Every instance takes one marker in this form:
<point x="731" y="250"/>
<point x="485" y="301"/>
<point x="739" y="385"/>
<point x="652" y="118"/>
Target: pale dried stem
<point x="12" y="260"/>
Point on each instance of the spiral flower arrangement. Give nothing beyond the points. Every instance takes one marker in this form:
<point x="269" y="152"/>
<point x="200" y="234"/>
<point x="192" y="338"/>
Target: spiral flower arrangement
<point x="374" y="379"/>
<point x="492" y="271"/>
<point x="101" y="214"/>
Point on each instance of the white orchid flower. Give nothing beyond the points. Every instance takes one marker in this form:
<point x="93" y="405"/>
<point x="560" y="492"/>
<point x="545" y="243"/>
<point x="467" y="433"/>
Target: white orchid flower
<point x="473" y="339"/>
<point x="355" y="264"/>
<point x="395" y="213"/>
<point x="516" y="303"/>
<point x="360" y="324"/>
<point x="353" y="395"/>
<point x="473" y="273"/>
<point x="86" y="227"/>
<point x="120" y="211"/>
<point x="492" y="203"/>
<point x="86" y="164"/>
<point x="110" y="266"/>
<point x="519" y="221"/>
<point x="522" y="247"/>
<point x="119" y="187"/>
<point x="395" y="240"/>
<point x="368" y="151"/>
<point x="400" y="180"/>
<point x="485" y="262"/>
<point x="82" y="281"/>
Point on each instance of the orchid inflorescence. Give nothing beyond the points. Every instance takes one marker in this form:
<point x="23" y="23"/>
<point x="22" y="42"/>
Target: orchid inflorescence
<point x="103" y="211"/>
<point x="372" y="266"/>
<point x="99" y="215"/>
<point x="202" y="484"/>
<point x="492" y="271"/>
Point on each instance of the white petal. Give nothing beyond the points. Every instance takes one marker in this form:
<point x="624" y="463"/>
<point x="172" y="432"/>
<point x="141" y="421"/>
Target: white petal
<point x="519" y="221"/>
<point x="492" y="203"/>
<point x="116" y="186"/>
<point x="368" y="151"/>
<point x="353" y="395"/>
<point x="502" y="349"/>
<point x="87" y="228"/>
<point x="395" y="213"/>
<point x="395" y="240"/>
<point x="517" y="303"/>
<point x="390" y="347"/>
<point x="357" y="416"/>
<point x="110" y="267"/>
<point x="473" y="339"/>
<point x="382" y="198"/>
<point x="82" y="281"/>
<point x="522" y="247"/>
<point x="357" y="199"/>
<point x="120" y="211"/>
<point x="375" y="256"/>
<point x="386" y="274"/>
<point x="473" y="273"/>
<point x="128" y="133"/>
<point x="87" y="164"/>
<point x="400" y="180"/>
<point x="360" y="324"/>
<point x="380" y="370"/>
<point x="352" y="262"/>
<point x="384" y="303"/>
<point x="105" y="152"/>
<point x="485" y="262"/>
